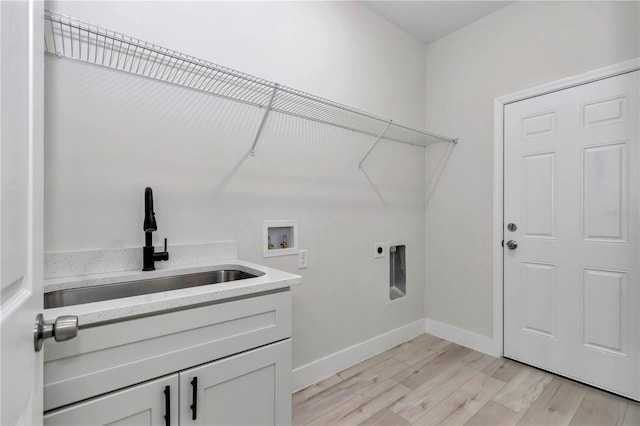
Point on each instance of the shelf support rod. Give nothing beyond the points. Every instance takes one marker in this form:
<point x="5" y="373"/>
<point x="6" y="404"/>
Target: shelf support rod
<point x="380" y="136"/>
<point x="264" y="120"/>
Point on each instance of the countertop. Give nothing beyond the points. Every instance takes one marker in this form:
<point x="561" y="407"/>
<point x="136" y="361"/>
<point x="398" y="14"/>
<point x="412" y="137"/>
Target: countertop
<point x="117" y="309"/>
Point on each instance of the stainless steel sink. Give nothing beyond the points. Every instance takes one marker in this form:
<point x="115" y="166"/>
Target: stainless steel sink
<point x="77" y="296"/>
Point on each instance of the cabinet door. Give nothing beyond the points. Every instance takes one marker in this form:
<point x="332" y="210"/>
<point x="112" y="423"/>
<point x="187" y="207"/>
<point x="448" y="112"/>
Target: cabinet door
<point x="251" y="388"/>
<point x="145" y="404"/>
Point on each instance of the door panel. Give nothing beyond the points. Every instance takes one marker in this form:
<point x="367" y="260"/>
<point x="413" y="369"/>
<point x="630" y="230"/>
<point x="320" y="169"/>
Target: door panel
<point x="15" y="145"/>
<point x="21" y="257"/>
<point x="572" y="185"/>
<point x="606" y="111"/>
<point x="255" y="386"/>
<point x="252" y="388"/>
<point x="538" y="298"/>
<point x="538" y="200"/>
<point x="538" y="125"/>
<point x="604" y="188"/>
<point x="604" y="310"/>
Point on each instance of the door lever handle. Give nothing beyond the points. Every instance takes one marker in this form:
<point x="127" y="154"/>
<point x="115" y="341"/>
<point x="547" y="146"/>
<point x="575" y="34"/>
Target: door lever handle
<point x="63" y="328"/>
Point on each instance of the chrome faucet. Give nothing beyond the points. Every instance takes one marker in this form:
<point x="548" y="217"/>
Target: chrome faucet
<point x="149" y="257"/>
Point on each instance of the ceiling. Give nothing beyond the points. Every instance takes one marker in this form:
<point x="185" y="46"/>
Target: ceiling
<point x="431" y="20"/>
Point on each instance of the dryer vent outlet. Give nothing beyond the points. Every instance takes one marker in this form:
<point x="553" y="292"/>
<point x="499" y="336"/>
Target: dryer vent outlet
<point x="397" y="271"/>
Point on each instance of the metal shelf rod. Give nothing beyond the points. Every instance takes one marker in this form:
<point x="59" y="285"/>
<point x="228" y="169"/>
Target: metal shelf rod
<point x="380" y="136"/>
<point x="264" y="120"/>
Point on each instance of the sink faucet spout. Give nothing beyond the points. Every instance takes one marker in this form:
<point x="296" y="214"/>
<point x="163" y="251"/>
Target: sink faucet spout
<point x="149" y="256"/>
<point x="150" y="224"/>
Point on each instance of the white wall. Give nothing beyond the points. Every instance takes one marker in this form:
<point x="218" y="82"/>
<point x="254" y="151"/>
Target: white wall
<point x="521" y="46"/>
<point x="108" y="135"/>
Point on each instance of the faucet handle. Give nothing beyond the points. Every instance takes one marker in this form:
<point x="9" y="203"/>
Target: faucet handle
<point x="165" y="245"/>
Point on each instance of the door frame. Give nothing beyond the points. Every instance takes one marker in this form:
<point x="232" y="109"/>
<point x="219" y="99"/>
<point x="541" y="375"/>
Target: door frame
<point x="498" y="175"/>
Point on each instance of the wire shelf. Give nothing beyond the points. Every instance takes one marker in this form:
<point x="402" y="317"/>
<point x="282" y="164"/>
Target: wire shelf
<point x="81" y="41"/>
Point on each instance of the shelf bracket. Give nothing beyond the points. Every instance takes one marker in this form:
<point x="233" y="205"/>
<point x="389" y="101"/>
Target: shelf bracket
<point x="380" y="136"/>
<point x="264" y="120"/>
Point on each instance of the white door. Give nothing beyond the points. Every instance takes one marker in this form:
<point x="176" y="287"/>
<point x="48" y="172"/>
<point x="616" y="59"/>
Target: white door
<point x="572" y="189"/>
<point x="251" y="388"/>
<point x="154" y="403"/>
<point x="21" y="126"/>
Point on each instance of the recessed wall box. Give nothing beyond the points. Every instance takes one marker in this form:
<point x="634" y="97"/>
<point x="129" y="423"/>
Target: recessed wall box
<point x="397" y="271"/>
<point x="279" y="238"/>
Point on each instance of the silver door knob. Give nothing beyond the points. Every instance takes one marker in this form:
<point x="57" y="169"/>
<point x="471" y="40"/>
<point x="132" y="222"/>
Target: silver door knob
<point x="512" y="244"/>
<point x="64" y="328"/>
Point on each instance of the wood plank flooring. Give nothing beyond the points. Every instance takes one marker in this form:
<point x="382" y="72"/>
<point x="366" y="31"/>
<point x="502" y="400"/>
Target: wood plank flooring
<point x="430" y="381"/>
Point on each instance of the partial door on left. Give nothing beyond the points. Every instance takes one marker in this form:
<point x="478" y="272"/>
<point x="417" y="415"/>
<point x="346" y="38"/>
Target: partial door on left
<point x="21" y="198"/>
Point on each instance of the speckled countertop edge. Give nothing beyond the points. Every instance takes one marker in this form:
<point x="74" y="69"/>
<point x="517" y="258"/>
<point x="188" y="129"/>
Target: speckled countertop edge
<point x="109" y="310"/>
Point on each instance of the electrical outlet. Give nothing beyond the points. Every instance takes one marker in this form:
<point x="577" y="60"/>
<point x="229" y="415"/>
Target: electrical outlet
<point x="378" y="250"/>
<point x="303" y="259"/>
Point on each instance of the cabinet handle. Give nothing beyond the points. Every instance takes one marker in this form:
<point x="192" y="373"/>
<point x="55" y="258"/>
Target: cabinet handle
<point x="167" y="405"/>
<point x="194" y="406"/>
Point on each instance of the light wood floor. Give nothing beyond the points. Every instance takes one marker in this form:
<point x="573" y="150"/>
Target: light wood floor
<point x="430" y="381"/>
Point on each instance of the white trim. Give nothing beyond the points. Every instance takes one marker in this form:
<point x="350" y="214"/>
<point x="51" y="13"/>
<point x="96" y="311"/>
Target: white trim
<point x="577" y="80"/>
<point x="498" y="223"/>
<point x="331" y="364"/>
<point x="475" y="341"/>
<point x="498" y="173"/>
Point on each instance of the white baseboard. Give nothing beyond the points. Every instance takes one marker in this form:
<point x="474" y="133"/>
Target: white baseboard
<point x="331" y="364"/>
<point x="324" y="367"/>
<point x="467" y="338"/>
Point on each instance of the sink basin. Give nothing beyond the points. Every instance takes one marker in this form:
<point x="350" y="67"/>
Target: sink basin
<point x="77" y="296"/>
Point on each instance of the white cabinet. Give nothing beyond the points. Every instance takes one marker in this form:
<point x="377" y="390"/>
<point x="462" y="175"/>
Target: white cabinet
<point x="252" y="388"/>
<point x="145" y="404"/>
<point x="238" y="351"/>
